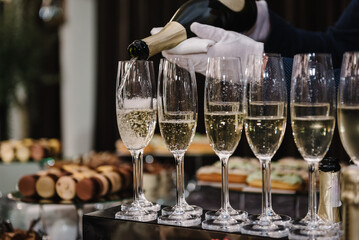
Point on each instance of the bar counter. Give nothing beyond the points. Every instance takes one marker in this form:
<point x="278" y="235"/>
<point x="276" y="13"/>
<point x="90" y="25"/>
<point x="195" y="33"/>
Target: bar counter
<point x="102" y="225"/>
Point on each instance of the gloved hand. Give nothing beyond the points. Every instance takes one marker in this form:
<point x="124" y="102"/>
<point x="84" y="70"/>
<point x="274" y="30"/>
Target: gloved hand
<point x="260" y="30"/>
<point x="226" y="44"/>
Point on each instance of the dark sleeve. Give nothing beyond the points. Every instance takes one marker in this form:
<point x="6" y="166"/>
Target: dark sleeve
<point x="284" y="38"/>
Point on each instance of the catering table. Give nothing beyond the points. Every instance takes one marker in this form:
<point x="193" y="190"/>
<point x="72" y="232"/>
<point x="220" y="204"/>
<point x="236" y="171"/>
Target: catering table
<point x="102" y="225"/>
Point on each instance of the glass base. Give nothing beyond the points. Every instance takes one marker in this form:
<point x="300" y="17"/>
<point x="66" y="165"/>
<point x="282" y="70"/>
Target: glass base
<point x="136" y="213"/>
<point x="223" y="222"/>
<point x="310" y="233"/>
<point x="180" y="219"/>
<point x="275" y="218"/>
<point x="317" y="229"/>
<point x="189" y="209"/>
<point x="265" y="229"/>
<point x="306" y="223"/>
<point x="236" y="214"/>
<point x="145" y="204"/>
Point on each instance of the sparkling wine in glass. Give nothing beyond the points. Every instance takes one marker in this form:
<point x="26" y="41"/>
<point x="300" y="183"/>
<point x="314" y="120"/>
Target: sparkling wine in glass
<point x="265" y="127"/>
<point x="348" y="105"/>
<point x="177" y="117"/>
<point x="312" y="106"/>
<point x="141" y="197"/>
<point x="136" y="109"/>
<point x="224" y="111"/>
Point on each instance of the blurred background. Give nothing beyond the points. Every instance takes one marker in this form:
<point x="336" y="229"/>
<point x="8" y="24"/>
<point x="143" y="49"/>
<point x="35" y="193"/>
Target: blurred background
<point x="59" y="59"/>
<point x="58" y="67"/>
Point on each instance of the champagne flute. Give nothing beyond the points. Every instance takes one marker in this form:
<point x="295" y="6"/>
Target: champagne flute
<point x="177" y="116"/>
<point x="348" y="105"/>
<point x="312" y="103"/>
<point x="224" y="111"/>
<point x="136" y="109"/>
<point x="265" y="127"/>
<point x="141" y="197"/>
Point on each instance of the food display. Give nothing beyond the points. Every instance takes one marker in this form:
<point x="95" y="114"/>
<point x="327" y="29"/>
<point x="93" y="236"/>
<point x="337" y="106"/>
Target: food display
<point x="287" y="173"/>
<point x="158" y="180"/>
<point x="84" y="185"/>
<point x="238" y="170"/>
<point x="29" y="149"/>
<point x="279" y="180"/>
<point x="291" y="165"/>
<point x="98" y="175"/>
<point x="199" y="146"/>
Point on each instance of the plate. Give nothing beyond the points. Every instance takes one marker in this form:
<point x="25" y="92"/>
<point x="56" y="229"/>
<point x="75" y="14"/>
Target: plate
<point x="17" y="196"/>
<point x="242" y="187"/>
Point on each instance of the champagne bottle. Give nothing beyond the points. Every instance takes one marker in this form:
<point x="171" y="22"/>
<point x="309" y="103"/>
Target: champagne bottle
<point x="329" y="201"/>
<point x="234" y="15"/>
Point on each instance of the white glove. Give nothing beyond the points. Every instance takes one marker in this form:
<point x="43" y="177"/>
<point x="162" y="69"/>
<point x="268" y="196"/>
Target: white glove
<point x="227" y="44"/>
<point x="260" y="30"/>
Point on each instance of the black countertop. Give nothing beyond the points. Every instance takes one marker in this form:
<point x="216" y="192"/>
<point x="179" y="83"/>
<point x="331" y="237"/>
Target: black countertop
<point x="102" y="225"/>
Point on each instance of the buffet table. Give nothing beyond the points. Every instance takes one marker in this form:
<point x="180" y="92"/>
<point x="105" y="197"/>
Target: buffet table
<point x="102" y="225"/>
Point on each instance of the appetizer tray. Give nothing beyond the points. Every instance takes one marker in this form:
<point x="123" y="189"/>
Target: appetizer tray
<point x="242" y="187"/>
<point x="17" y="196"/>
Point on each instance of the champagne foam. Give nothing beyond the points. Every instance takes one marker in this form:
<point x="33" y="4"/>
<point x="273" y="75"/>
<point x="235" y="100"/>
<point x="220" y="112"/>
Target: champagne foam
<point x="138" y="103"/>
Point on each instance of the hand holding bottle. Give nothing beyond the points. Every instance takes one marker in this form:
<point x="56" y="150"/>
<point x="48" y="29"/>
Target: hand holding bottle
<point x="235" y="15"/>
<point x="226" y="43"/>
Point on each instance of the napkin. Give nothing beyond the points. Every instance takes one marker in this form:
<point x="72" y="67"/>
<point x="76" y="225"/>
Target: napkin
<point x="192" y="45"/>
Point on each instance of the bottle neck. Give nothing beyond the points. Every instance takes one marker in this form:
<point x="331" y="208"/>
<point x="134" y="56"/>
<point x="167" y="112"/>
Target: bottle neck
<point x="234" y="5"/>
<point x="169" y="37"/>
<point x="138" y="49"/>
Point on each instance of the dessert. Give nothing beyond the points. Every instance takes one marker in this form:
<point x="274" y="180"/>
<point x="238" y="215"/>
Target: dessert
<point x="126" y="174"/>
<point x="96" y="159"/>
<point x="28" y="149"/>
<point x="238" y="170"/>
<point x="54" y="146"/>
<point x="157" y="180"/>
<point x="66" y="187"/>
<point x="88" y="188"/>
<point x="157" y="146"/>
<point x="26" y="185"/>
<point x="37" y="152"/>
<point x="115" y="181"/>
<point x="279" y="180"/>
<point x="7" y="152"/>
<point x="104" y="184"/>
<point x="45" y="186"/>
<point x="200" y="145"/>
<point x="22" y="152"/>
<point x="69" y="181"/>
<point x="292" y="165"/>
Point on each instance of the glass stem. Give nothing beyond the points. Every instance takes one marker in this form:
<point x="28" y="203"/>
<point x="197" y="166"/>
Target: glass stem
<point x="43" y="219"/>
<point x="180" y="180"/>
<point x="269" y="190"/>
<point x="140" y="176"/>
<point x="266" y="205"/>
<point x="79" y="215"/>
<point x="224" y="193"/>
<point x="312" y="207"/>
<point x="136" y="155"/>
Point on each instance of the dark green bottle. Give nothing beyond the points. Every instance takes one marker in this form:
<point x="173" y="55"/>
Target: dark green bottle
<point x="234" y="15"/>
